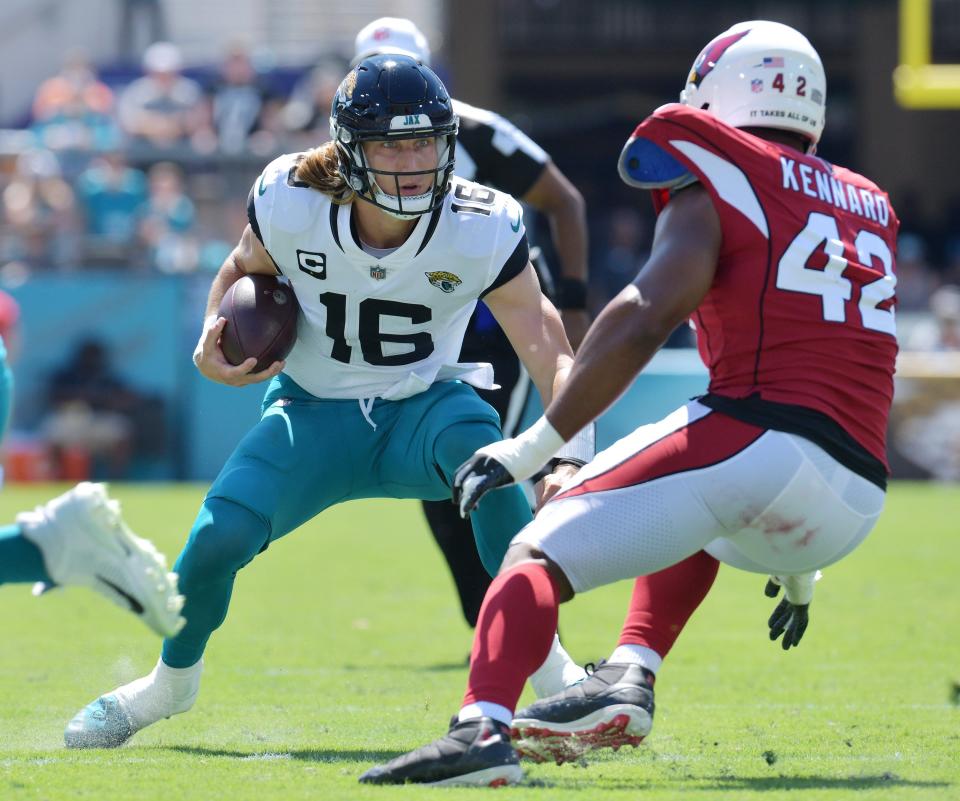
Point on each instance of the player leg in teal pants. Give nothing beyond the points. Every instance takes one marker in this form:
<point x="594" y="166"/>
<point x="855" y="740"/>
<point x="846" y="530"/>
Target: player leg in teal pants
<point x="304" y="455"/>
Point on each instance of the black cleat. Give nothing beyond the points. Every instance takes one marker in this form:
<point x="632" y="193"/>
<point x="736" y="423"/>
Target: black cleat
<point x="475" y="753"/>
<point x="610" y="708"/>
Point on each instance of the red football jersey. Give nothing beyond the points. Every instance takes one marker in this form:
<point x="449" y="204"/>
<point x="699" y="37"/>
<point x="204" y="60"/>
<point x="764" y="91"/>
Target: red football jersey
<point x="802" y="307"/>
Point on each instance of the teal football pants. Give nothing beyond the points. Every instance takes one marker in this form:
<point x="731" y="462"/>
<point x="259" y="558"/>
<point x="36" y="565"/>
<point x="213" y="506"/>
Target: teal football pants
<point x="307" y="454"/>
<point x="20" y="559"/>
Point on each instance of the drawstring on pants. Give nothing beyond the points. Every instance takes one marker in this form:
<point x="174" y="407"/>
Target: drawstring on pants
<point x="366" y="406"/>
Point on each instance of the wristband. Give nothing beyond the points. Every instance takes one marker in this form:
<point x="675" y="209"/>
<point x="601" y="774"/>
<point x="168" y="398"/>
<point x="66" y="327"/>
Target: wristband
<point x="582" y="447"/>
<point x="557" y="461"/>
<point x="798" y="590"/>
<point x="571" y="293"/>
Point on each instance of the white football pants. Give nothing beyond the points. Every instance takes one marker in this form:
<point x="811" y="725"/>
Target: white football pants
<point x="758" y="500"/>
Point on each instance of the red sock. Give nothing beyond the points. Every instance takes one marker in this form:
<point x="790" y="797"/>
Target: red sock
<point x="516" y="626"/>
<point x="663" y="602"/>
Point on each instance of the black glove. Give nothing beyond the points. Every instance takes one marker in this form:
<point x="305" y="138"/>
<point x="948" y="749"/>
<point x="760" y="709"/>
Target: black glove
<point x="475" y="478"/>
<point x="788" y="619"/>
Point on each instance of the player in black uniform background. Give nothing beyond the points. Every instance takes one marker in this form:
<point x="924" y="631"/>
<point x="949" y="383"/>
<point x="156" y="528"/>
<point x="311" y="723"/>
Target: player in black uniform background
<point x="492" y="151"/>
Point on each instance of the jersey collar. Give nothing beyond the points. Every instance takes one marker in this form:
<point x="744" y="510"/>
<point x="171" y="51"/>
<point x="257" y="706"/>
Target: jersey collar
<point x="345" y="235"/>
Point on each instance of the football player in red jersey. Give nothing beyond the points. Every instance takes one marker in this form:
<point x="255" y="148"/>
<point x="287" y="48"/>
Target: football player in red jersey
<point x="785" y="265"/>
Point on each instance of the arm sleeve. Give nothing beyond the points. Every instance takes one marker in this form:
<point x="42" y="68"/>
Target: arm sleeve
<point x="252" y="212"/>
<point x="512" y="267"/>
<point x="255" y="222"/>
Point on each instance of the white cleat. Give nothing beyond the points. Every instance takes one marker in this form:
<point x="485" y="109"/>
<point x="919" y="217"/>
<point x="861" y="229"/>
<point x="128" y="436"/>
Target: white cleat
<point x="84" y="541"/>
<point x="113" y="718"/>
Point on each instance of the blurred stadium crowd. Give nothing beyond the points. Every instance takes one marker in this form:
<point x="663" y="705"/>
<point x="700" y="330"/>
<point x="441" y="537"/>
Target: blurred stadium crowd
<point x="149" y="170"/>
<point x="146" y="171"/>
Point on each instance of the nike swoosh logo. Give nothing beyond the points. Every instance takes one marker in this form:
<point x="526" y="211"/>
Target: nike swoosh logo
<point x="135" y="606"/>
<point x="516" y="226"/>
<point x="261" y="189"/>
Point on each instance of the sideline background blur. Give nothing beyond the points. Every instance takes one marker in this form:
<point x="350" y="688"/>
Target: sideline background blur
<point x="112" y="221"/>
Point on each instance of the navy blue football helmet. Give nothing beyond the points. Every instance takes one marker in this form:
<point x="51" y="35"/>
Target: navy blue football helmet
<point x="387" y="97"/>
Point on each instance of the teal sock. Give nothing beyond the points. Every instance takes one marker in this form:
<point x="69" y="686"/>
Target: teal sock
<point x="20" y="560"/>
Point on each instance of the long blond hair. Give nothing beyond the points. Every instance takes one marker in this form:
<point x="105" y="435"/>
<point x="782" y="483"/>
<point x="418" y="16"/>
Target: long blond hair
<point x="320" y="169"/>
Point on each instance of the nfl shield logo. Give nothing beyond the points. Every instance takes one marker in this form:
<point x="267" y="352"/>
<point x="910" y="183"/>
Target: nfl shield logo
<point x="378" y="273"/>
<point x="756" y="85"/>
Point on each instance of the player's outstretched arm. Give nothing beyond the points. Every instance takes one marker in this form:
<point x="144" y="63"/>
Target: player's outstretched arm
<point x="633" y="326"/>
<point x="621" y="341"/>
<point x="533" y="326"/>
<point x="249" y="256"/>
<point x="554" y="196"/>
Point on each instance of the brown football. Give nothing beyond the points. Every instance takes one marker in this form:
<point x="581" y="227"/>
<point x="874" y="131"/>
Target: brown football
<point x="261" y="314"/>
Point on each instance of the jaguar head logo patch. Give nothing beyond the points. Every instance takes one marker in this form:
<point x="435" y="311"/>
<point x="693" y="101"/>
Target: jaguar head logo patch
<point x="443" y="280"/>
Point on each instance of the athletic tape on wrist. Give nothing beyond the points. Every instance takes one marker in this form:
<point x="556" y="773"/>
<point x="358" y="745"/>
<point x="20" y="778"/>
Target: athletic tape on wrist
<point x="582" y="447"/>
<point x="526" y="453"/>
<point x="799" y="589"/>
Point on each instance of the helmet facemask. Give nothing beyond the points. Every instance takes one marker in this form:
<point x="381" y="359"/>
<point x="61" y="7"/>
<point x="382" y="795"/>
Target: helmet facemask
<point x="393" y="98"/>
<point x="362" y="178"/>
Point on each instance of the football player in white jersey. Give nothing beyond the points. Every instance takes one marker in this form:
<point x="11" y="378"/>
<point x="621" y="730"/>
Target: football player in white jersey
<point x="388" y="256"/>
<point x="494" y="152"/>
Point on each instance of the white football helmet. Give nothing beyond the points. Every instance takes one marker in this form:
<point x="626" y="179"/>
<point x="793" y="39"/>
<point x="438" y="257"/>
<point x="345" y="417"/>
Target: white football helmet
<point x="394" y="35"/>
<point x="761" y="74"/>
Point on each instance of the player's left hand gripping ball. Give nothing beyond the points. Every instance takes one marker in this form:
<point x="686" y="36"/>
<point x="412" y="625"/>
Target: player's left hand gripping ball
<point x="476" y="477"/>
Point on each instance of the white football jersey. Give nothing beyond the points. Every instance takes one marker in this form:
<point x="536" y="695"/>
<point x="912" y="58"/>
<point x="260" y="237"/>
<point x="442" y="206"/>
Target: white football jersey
<point x="385" y="327"/>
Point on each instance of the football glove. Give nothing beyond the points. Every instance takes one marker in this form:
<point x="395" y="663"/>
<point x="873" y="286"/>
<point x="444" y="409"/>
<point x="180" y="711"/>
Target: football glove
<point x="475" y="478"/>
<point x="504" y="462"/>
<point x="792" y="615"/>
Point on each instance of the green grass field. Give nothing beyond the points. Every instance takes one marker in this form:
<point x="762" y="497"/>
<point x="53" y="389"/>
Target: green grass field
<point x="344" y="647"/>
